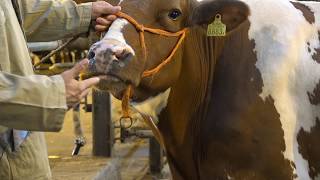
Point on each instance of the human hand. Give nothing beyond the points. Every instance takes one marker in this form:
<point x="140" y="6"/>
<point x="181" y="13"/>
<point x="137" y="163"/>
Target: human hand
<point x="76" y="90"/>
<point x="103" y="13"/>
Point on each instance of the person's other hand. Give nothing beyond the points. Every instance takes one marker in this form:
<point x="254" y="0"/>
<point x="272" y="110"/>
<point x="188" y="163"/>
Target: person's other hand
<point x="103" y="13"/>
<point x="76" y="90"/>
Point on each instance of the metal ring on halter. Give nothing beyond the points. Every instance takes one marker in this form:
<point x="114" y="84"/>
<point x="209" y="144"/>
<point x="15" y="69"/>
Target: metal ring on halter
<point x="122" y="125"/>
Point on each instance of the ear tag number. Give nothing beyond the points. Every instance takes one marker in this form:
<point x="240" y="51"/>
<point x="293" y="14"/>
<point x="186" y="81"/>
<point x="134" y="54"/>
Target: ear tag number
<point x="217" y="28"/>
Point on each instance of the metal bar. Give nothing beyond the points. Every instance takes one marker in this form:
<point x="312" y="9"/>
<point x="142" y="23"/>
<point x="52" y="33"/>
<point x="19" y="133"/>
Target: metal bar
<point x="138" y="133"/>
<point x="44" y="59"/>
<point x="43" y="46"/>
<point x="155" y="156"/>
<point x="102" y="132"/>
<point x="143" y="133"/>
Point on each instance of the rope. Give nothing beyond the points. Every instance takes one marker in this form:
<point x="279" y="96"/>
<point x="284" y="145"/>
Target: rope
<point x="141" y="29"/>
<point x="126" y="102"/>
<point x="128" y="93"/>
<point x="149" y="121"/>
<point x="166" y="61"/>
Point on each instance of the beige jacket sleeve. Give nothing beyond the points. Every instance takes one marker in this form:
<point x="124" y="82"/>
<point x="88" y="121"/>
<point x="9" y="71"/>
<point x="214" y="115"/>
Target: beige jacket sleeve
<point x="27" y="101"/>
<point x="30" y="102"/>
<point x="47" y="20"/>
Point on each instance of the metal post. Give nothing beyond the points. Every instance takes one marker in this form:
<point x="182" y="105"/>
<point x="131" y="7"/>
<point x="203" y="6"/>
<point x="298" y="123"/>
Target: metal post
<point x="155" y="156"/>
<point x="102" y="128"/>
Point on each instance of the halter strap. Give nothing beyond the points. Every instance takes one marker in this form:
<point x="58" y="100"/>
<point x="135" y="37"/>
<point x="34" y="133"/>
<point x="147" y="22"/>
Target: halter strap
<point x="141" y="29"/>
<point x="129" y="91"/>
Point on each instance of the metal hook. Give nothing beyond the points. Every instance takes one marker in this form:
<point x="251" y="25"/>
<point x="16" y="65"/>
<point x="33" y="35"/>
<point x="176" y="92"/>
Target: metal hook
<point x="122" y="124"/>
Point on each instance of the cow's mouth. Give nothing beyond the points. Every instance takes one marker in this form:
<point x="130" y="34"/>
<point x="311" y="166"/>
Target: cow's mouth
<point x="109" y="77"/>
<point x="117" y="86"/>
<point x="113" y="83"/>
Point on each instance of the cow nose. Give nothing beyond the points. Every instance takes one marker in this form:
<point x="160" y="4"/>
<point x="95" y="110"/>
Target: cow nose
<point x="106" y="57"/>
<point x="91" y="56"/>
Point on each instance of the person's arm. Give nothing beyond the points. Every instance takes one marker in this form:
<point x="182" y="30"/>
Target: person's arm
<point x="48" y="20"/>
<point x="33" y="102"/>
<point x="39" y="103"/>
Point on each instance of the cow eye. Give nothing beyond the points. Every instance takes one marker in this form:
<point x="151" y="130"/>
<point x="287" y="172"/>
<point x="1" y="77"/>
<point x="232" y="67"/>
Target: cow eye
<point x="174" y="14"/>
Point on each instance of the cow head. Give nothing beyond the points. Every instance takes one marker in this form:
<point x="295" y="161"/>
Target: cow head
<point x="118" y="57"/>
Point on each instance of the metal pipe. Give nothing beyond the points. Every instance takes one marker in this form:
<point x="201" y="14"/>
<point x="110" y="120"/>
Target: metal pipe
<point x="143" y="133"/>
<point x="44" y="46"/>
<point x="138" y="133"/>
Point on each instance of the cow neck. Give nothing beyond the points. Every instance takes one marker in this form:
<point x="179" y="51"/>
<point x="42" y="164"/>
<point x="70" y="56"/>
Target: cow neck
<point x="237" y="114"/>
<point x="196" y="78"/>
<point x="188" y="101"/>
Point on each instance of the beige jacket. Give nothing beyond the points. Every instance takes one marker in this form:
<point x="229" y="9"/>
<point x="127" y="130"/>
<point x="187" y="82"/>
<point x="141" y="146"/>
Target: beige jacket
<point x="28" y="101"/>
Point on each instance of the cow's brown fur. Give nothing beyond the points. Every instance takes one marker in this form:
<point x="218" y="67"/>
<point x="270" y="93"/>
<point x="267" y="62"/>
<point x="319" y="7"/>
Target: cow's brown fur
<point x="215" y="125"/>
<point x="193" y="151"/>
<point x="316" y="55"/>
<point x="309" y="148"/>
<point x="306" y="11"/>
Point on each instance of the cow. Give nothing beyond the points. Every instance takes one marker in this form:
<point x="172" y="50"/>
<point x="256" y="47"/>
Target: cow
<point x="240" y="106"/>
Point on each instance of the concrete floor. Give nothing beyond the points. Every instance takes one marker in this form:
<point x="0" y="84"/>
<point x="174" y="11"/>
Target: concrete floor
<point x="130" y="160"/>
<point x="60" y="146"/>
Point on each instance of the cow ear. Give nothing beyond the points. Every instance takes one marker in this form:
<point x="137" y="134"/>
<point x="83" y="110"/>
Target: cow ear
<point x="233" y="13"/>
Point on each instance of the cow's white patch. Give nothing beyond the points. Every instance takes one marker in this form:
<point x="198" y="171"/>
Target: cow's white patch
<point x="281" y="34"/>
<point x="115" y="30"/>
<point x="115" y="33"/>
<point x="119" y="3"/>
<point x="154" y="105"/>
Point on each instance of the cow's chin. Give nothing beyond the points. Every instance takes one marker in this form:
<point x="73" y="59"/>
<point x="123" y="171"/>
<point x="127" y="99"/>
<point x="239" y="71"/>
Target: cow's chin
<point x="113" y="85"/>
<point x="117" y="88"/>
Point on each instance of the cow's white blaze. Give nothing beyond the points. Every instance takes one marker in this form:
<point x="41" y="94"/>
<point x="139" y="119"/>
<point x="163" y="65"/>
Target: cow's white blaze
<point x="115" y="33"/>
<point x="154" y="105"/>
<point x="115" y="30"/>
<point x="120" y="2"/>
<point x="281" y="34"/>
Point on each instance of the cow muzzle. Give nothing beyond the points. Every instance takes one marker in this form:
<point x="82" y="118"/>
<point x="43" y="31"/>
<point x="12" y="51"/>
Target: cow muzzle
<point x="108" y="58"/>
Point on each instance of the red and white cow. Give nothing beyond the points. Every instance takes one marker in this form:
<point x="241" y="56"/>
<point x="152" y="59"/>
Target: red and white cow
<point x="243" y="106"/>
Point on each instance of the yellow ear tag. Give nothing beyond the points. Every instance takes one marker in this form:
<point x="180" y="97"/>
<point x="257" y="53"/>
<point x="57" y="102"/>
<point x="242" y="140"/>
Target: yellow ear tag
<point x="217" y="28"/>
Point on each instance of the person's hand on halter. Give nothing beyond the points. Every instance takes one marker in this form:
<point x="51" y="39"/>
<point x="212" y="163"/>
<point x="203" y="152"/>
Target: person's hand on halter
<point x="77" y="90"/>
<point x="103" y="13"/>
